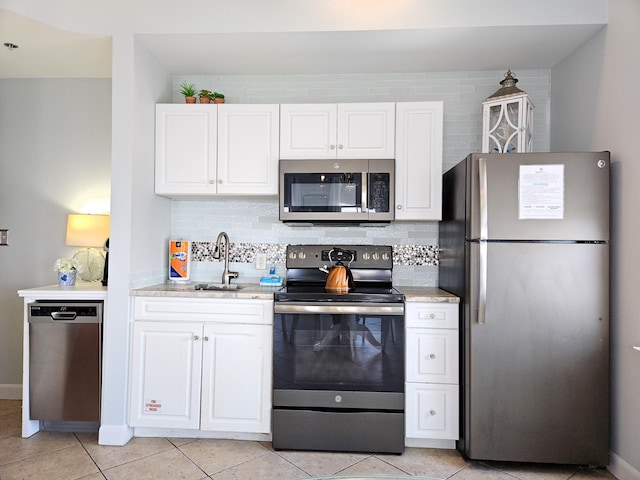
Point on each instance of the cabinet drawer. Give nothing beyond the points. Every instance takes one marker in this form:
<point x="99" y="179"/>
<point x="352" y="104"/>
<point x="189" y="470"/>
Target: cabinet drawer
<point x="204" y="310"/>
<point x="432" y="315"/>
<point x="432" y="355"/>
<point x="432" y="411"/>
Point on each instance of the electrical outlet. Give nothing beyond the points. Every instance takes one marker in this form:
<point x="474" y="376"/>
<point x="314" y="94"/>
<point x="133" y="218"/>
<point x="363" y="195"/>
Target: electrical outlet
<point x="4" y="237"/>
<point x="261" y="261"/>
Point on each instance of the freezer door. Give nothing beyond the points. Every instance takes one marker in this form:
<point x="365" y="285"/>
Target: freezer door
<point x="536" y="373"/>
<point x="580" y="188"/>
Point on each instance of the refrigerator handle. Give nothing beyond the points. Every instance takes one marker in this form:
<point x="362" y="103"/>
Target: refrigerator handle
<point x="482" y="267"/>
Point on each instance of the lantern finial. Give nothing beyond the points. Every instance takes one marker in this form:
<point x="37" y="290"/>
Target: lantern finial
<point x="508" y="88"/>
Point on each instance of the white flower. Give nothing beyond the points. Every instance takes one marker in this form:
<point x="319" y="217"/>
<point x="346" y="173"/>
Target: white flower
<point x="65" y="265"/>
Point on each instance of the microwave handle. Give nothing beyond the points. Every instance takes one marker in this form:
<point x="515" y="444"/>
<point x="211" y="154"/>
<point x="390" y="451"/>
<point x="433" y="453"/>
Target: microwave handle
<point x="365" y="189"/>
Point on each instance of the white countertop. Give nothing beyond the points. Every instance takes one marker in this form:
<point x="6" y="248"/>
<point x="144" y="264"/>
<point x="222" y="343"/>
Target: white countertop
<point x="254" y="291"/>
<point x="80" y="291"/>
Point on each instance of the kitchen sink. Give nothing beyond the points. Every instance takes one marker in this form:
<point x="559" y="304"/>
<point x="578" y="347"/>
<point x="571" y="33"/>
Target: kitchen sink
<point x="217" y="286"/>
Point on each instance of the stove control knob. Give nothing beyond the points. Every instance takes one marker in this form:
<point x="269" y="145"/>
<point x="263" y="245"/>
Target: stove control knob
<point x="376" y="256"/>
<point x="366" y="256"/>
<point x="292" y="255"/>
<point x="302" y="255"/>
<point x="338" y="398"/>
<point x="385" y="256"/>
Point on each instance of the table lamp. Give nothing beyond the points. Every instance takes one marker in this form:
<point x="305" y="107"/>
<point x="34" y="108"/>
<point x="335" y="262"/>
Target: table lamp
<point x="84" y="230"/>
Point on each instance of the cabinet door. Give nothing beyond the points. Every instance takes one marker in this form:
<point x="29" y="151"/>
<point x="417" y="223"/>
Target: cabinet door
<point x="186" y="149"/>
<point x="236" y="378"/>
<point x="248" y="149"/>
<point x="431" y="411"/>
<point x="432" y="355"/>
<point x="366" y="130"/>
<point x="308" y="131"/>
<point x="165" y="375"/>
<point x="419" y="128"/>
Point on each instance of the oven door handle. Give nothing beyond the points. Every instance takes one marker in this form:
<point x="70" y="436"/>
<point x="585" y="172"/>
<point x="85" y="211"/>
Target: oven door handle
<point x="341" y="308"/>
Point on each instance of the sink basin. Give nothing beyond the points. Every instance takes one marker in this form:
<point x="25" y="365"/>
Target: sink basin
<point x="217" y="286"/>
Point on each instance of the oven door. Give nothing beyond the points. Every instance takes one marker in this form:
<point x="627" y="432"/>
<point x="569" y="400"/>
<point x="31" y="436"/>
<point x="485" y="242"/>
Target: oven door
<point x="339" y="347"/>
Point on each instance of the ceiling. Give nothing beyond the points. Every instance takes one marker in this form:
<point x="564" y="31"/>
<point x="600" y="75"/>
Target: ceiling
<point x="47" y="52"/>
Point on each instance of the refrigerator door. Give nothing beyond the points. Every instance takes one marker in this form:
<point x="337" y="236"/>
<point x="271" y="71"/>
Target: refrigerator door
<point x="536" y="372"/>
<point x="568" y="199"/>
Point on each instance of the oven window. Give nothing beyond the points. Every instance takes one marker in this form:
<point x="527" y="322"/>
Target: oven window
<point x="323" y="192"/>
<point x="339" y="352"/>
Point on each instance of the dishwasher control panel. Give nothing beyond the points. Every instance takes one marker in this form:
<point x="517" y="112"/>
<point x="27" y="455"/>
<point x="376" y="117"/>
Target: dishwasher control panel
<point x="87" y="311"/>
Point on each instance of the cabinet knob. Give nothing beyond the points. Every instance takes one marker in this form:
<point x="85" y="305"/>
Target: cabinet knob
<point x="196" y="337"/>
<point x="432" y="413"/>
<point x="219" y="180"/>
<point x="211" y="182"/>
<point x="206" y="339"/>
<point x="340" y="147"/>
<point x="399" y="207"/>
<point x="432" y="356"/>
<point x="332" y="147"/>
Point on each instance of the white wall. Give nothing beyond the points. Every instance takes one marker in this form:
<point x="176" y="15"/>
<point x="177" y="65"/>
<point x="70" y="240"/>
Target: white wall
<point x="55" y="159"/>
<point x="140" y="220"/>
<point x="595" y="103"/>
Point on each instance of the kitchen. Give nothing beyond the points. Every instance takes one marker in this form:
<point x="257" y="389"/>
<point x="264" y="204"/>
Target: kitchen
<point x="145" y="259"/>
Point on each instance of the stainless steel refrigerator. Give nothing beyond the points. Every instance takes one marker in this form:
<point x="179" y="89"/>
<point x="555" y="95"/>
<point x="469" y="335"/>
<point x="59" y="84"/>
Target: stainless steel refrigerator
<point x="524" y="242"/>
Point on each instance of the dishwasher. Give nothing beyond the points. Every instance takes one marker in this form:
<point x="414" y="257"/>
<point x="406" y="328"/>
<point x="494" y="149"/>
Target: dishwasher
<point x="65" y="358"/>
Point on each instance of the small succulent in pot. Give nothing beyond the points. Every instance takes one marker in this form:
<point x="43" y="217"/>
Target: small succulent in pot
<point x="218" y="97"/>
<point x="205" y="96"/>
<point x="189" y="92"/>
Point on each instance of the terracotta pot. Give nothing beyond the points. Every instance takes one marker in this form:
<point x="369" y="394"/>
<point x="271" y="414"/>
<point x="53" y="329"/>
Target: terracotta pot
<point x="218" y="100"/>
<point x="190" y="99"/>
<point x="205" y="100"/>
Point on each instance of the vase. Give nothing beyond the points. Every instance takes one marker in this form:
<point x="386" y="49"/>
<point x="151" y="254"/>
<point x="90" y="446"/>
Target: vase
<point x="66" y="279"/>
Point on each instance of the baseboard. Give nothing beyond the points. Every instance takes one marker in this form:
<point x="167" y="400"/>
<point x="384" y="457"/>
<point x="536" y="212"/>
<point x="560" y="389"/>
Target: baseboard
<point x="117" y="435"/>
<point x="10" y="391"/>
<point x="621" y="469"/>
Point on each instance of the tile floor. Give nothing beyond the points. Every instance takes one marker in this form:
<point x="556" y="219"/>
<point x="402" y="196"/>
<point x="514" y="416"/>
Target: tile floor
<point x="62" y="456"/>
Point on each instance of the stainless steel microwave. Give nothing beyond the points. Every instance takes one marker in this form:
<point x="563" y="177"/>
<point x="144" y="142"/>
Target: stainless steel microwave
<point x="336" y="191"/>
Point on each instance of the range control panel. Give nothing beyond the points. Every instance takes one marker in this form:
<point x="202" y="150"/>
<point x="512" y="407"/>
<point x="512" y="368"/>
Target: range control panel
<point x="356" y="256"/>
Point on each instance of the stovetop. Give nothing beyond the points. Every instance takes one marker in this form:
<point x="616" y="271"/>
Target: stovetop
<point x="317" y="293"/>
<point x="370" y="265"/>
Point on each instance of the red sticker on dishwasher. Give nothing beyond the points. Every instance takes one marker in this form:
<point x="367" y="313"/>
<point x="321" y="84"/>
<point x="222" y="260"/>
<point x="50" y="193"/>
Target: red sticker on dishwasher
<point x="152" y="406"/>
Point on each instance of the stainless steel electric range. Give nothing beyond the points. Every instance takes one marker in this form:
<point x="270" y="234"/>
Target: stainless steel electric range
<point x="339" y="357"/>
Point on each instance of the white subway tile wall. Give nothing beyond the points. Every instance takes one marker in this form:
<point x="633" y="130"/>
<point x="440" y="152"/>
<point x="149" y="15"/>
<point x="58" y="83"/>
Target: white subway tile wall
<point x="253" y="223"/>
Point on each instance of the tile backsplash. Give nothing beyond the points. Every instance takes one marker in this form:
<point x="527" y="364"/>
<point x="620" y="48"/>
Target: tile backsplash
<point x="252" y="223"/>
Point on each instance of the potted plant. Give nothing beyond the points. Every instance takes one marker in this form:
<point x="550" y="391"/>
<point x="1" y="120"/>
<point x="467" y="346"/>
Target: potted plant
<point x="205" y="96"/>
<point x="67" y="268"/>
<point x="189" y="92"/>
<point x="218" y="97"/>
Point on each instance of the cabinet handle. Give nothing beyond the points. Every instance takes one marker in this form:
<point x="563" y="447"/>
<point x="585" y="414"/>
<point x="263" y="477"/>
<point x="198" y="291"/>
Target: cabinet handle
<point x="432" y="413"/>
<point x="432" y="356"/>
<point x="196" y="337"/>
<point x="399" y="207"/>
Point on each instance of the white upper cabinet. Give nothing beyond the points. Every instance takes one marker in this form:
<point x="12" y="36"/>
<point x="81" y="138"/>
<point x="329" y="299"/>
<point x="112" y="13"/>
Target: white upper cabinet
<point x="216" y="149"/>
<point x="419" y="130"/>
<point x="345" y="130"/>
<point x="248" y="149"/>
<point x="186" y="144"/>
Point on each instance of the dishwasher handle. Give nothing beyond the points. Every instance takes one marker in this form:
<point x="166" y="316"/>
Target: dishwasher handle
<point x="64" y="315"/>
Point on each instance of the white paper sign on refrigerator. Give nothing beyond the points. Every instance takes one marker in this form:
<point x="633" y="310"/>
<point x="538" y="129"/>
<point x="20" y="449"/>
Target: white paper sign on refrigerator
<point x="541" y="192"/>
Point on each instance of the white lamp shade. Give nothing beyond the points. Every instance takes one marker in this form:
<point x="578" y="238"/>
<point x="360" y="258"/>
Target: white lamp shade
<point x="87" y="230"/>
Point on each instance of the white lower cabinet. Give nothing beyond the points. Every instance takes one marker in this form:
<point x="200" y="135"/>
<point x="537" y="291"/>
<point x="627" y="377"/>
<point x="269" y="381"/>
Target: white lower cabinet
<point x="213" y="374"/>
<point x="432" y="378"/>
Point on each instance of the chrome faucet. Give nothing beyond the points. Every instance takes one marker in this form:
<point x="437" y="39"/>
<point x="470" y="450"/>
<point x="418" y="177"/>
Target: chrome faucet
<point x="226" y="274"/>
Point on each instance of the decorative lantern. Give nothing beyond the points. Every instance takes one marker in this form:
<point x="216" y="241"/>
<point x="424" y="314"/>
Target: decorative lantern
<point x="507" y="119"/>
